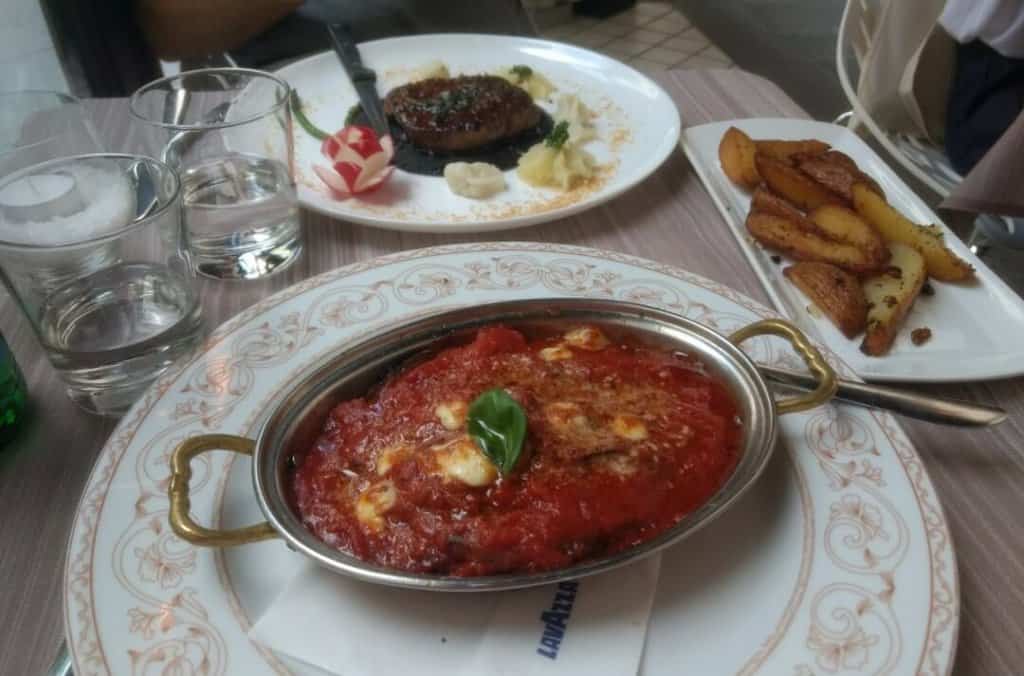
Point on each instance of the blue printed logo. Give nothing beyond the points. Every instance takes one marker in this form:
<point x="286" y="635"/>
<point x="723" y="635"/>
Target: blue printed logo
<point x="555" y="619"/>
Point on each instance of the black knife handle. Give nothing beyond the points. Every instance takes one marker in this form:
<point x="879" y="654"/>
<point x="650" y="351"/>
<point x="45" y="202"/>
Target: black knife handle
<point x="364" y="79"/>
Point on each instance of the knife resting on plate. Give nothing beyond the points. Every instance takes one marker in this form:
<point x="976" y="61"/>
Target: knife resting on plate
<point x="363" y="79"/>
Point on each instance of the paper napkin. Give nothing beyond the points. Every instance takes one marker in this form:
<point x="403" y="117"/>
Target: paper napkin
<point x="590" y="627"/>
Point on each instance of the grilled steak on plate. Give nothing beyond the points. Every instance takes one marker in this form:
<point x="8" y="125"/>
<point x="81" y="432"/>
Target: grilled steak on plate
<point x="461" y="113"/>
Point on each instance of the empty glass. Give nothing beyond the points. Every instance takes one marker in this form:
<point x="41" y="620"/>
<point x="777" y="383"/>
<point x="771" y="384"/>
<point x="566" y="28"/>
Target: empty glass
<point x="93" y="249"/>
<point x="227" y="131"/>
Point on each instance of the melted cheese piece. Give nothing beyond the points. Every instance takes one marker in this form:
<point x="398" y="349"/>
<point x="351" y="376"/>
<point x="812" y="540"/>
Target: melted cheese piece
<point x="566" y="416"/>
<point x="390" y="456"/>
<point x="587" y="338"/>
<point x="461" y="460"/>
<point x="556" y="353"/>
<point x="452" y="414"/>
<point x="616" y="463"/>
<point x="374" y="502"/>
<point x="629" y="427"/>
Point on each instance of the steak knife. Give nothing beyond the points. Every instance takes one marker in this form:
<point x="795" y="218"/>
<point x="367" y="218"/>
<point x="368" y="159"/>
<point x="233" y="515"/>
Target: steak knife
<point x="363" y="79"/>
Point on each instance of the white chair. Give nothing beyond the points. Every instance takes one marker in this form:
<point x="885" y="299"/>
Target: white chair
<point x="921" y="159"/>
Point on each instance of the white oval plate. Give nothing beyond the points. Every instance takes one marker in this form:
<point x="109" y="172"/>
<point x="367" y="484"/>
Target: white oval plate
<point x="637" y="123"/>
<point x="837" y="561"/>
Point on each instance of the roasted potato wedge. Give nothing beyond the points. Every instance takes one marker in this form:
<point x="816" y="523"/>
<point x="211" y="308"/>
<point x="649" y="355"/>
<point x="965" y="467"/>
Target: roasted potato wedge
<point x="890" y="295"/>
<point x="942" y="263"/>
<point x="785" y="150"/>
<point x="844" y="160"/>
<point x="783" y="234"/>
<point x="840" y="158"/>
<point x="767" y="201"/>
<point x="794" y="185"/>
<point x="845" y="225"/>
<point x="834" y="291"/>
<point x="836" y="175"/>
<point x="736" y="154"/>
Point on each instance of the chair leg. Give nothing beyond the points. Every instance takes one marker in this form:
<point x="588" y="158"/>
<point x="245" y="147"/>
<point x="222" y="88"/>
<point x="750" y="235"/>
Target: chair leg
<point x="979" y="242"/>
<point x="854" y="124"/>
<point x="844" y="118"/>
<point x="999" y="230"/>
<point x="850" y="120"/>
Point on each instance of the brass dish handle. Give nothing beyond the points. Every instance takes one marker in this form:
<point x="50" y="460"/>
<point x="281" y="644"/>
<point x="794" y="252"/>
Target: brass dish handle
<point x="824" y="374"/>
<point x="178" y="491"/>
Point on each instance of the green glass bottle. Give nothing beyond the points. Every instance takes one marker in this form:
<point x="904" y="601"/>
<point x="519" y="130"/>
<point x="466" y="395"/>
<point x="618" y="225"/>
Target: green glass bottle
<point x="13" y="395"/>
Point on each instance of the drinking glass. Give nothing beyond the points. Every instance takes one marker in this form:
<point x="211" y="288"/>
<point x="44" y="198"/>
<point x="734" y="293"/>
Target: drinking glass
<point x="36" y="126"/>
<point x="227" y="131"/>
<point x="93" y="250"/>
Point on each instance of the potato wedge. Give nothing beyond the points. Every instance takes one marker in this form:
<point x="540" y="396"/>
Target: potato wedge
<point x="786" y="236"/>
<point x="767" y="201"/>
<point x="942" y="263"/>
<point x="836" y="175"/>
<point x="841" y="159"/>
<point x="890" y="295"/>
<point x="784" y="150"/>
<point x="796" y="186"/>
<point x="845" y="225"/>
<point x="834" y="291"/>
<point x="736" y="154"/>
<point x="844" y="160"/>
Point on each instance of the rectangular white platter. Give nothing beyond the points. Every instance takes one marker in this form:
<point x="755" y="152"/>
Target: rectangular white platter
<point x="977" y="328"/>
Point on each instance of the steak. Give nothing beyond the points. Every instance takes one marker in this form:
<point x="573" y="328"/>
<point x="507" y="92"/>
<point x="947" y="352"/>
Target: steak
<point x="462" y="113"/>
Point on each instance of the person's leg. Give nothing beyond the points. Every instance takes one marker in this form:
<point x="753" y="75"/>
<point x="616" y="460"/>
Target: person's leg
<point x="986" y="97"/>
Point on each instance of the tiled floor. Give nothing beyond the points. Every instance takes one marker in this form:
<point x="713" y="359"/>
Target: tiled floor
<point x="650" y="35"/>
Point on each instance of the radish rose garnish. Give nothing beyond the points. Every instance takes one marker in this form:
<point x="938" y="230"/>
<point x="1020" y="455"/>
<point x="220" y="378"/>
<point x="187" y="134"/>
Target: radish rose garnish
<point x="360" y="161"/>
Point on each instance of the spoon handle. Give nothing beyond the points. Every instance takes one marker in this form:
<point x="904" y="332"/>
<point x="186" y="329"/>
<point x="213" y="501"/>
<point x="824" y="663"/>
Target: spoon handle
<point x="895" y="400"/>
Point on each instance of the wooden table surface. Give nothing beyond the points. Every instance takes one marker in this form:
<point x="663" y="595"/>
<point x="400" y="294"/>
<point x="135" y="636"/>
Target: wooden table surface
<point x="669" y="218"/>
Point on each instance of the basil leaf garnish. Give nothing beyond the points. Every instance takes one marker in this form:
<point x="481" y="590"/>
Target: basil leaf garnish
<point x="497" y="424"/>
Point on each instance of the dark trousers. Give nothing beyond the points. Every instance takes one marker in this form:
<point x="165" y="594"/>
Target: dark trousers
<point x="986" y="97"/>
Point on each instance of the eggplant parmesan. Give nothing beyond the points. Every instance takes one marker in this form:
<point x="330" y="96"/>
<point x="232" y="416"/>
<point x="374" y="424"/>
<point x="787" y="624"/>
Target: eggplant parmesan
<point x="621" y="442"/>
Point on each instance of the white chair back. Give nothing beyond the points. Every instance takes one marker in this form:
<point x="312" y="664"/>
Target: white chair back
<point x="857" y="29"/>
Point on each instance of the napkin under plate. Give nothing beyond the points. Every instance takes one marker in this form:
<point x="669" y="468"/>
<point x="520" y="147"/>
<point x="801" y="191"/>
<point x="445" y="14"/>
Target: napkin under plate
<point x="591" y="627"/>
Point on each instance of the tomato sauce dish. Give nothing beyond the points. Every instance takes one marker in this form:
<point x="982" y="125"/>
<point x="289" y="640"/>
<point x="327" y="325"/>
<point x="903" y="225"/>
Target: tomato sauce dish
<point x="620" y="442"/>
<point x="508" y="445"/>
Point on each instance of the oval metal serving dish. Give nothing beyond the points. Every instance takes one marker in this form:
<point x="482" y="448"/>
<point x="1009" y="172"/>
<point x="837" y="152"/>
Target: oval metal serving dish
<point x="297" y="419"/>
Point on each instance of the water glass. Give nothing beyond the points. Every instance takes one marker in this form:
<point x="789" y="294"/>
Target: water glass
<point x="93" y="249"/>
<point x="36" y="126"/>
<point x="227" y="131"/>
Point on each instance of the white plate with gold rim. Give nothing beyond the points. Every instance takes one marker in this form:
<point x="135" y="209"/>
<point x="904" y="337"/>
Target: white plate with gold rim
<point x="838" y="560"/>
<point x="637" y="126"/>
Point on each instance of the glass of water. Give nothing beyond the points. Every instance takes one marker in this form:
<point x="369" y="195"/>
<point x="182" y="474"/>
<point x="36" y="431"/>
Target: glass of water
<point x="93" y="249"/>
<point x="227" y="131"/>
